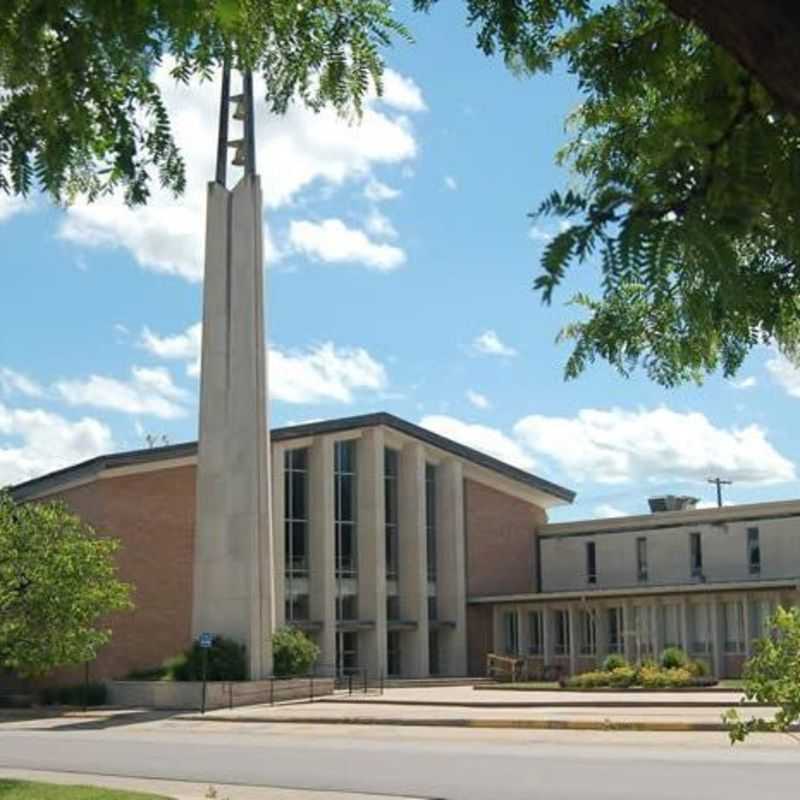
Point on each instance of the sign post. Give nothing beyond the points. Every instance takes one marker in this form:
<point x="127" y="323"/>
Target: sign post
<point x="205" y="641"/>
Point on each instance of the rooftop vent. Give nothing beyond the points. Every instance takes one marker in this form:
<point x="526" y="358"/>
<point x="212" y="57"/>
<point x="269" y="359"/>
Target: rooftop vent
<point x="672" y="502"/>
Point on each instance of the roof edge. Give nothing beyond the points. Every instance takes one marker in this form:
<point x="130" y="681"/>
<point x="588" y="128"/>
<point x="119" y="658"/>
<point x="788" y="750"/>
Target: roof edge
<point x="92" y="467"/>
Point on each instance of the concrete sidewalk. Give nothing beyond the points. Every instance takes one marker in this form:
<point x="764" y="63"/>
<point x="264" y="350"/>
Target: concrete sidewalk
<point x="182" y="790"/>
<point x="459" y="707"/>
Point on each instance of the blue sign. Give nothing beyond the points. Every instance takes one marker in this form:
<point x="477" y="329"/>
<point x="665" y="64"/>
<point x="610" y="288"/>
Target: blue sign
<point x="205" y="640"/>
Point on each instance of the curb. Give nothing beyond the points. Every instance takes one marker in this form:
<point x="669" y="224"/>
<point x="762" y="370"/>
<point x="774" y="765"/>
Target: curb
<point x="517" y="724"/>
<point x="594" y="703"/>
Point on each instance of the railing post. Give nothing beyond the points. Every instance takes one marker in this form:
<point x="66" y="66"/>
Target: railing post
<point x="366" y="679"/>
<point x="350" y="683"/>
<point x="230" y="696"/>
<point x="311" y="688"/>
<point x="272" y="691"/>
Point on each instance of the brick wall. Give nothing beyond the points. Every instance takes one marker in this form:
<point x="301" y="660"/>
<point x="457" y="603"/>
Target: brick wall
<point x="501" y="554"/>
<point x="152" y="514"/>
<point x="501" y="559"/>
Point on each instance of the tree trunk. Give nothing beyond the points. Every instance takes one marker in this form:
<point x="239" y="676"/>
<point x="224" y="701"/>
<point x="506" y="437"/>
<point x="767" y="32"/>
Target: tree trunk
<point x="762" y="35"/>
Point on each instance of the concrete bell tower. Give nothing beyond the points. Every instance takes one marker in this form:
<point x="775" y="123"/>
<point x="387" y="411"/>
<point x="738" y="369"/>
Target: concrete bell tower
<point x="233" y="557"/>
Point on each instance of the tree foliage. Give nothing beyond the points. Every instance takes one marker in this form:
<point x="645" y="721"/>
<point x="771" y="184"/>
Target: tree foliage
<point x="686" y="187"/>
<point x="80" y="112"/>
<point x="57" y="580"/>
<point x="772" y="678"/>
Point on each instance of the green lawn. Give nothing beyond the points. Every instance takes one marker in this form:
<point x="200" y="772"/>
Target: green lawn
<point x="24" y="790"/>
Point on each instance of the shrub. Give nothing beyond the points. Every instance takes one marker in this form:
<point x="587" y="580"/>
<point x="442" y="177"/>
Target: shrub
<point x="674" y="658"/>
<point x="293" y="653"/>
<point x="623" y="677"/>
<point x="226" y="662"/>
<point x="614" y="661"/>
<point x="658" y="678"/>
<point x="588" y="680"/>
<point x="699" y="669"/>
<point x="93" y="694"/>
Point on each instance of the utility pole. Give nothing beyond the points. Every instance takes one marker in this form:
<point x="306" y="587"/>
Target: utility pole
<point x="719" y="483"/>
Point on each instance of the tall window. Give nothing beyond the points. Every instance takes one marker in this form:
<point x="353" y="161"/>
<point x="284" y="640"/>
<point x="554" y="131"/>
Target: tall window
<point x="696" y="555"/>
<point x="562" y="632"/>
<point x="641" y="559"/>
<point x="733" y="617"/>
<point x="671" y="615"/>
<point x="591" y="563"/>
<point x="433" y="653"/>
<point x="346" y="555"/>
<point x="390" y="472"/>
<point x="535" y="633"/>
<point x="753" y="551"/>
<point x="344" y="455"/>
<point x="615" y="628"/>
<point x="393" y="667"/>
<point x="701" y="628"/>
<point x="510" y="633"/>
<point x="430" y="518"/>
<point x="588" y="627"/>
<point x="295" y="470"/>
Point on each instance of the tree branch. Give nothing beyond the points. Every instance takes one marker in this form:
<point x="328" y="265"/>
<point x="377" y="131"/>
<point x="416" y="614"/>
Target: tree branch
<point x="762" y="35"/>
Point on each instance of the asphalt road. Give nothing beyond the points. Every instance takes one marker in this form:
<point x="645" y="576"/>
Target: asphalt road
<point x="472" y="765"/>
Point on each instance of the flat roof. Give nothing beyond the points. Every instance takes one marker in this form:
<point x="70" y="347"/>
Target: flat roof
<point x="86" y="470"/>
<point x="773" y="509"/>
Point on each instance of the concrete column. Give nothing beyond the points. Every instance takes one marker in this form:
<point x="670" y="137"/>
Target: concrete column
<point x="322" y="548"/>
<point x="548" y="635"/>
<point x="601" y="632"/>
<point x="451" y="581"/>
<point x="628" y="633"/>
<point x="372" y="551"/>
<point x="524" y="632"/>
<point x="573" y="640"/>
<point x="716" y="637"/>
<point x="656" y="633"/>
<point x="686" y="639"/>
<point x="498" y="631"/>
<point x="233" y="554"/>
<point x="413" y="557"/>
<point x="279" y="533"/>
<point x="748" y="634"/>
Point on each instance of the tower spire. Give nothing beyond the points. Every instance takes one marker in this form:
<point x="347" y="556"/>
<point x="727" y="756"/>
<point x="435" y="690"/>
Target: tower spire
<point x="245" y="147"/>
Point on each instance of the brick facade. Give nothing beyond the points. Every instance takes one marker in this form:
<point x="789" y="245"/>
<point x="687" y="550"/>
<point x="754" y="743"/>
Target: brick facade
<point x="501" y="547"/>
<point x="152" y="514"/>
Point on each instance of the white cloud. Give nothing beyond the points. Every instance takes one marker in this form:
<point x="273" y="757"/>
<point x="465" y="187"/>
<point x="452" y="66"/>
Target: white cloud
<point x="653" y="446"/>
<point x="377" y="192"/>
<point x="182" y="347"/>
<point x="606" y="511"/>
<point x="150" y="391"/>
<point x="12" y="204"/>
<point x="745" y="383"/>
<point x="294" y="152"/>
<point x="323" y="373"/>
<point x="785" y="374"/>
<point x="490" y="344"/>
<point x="450" y="183"/>
<point x="380" y="225"/>
<point x="480" y="437"/>
<point x="333" y="242"/>
<point x="13" y="382"/>
<point x="401" y="92"/>
<point x="477" y="399"/>
<point x="36" y="442"/>
<point x="539" y="234"/>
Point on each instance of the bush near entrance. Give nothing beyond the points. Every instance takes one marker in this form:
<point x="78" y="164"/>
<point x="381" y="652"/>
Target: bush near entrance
<point x="293" y="653"/>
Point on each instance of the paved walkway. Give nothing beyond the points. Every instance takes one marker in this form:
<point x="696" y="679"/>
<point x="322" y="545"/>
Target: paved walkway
<point x="183" y="790"/>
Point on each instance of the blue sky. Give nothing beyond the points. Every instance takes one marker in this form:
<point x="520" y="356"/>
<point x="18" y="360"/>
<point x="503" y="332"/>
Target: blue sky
<point x="400" y="264"/>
